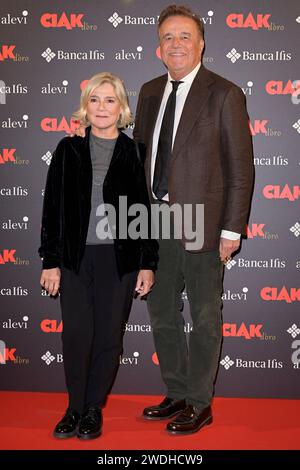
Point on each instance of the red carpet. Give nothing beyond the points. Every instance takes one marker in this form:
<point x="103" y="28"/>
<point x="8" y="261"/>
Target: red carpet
<point x="27" y="421"/>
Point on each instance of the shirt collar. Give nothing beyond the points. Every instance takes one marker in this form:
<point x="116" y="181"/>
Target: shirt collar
<point x="188" y="79"/>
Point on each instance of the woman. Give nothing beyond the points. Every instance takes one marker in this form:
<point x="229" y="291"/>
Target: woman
<point x="96" y="275"/>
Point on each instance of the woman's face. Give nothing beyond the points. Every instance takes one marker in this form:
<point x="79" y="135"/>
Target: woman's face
<point x="103" y="111"/>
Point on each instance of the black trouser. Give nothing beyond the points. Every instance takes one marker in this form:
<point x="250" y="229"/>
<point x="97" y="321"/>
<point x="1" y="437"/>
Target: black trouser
<point x="95" y="306"/>
<point x="188" y="372"/>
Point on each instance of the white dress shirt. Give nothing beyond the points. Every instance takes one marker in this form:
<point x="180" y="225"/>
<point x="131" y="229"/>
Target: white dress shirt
<point x="181" y="95"/>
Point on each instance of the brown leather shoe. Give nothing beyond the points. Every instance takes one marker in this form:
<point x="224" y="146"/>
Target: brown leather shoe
<point x="166" y="409"/>
<point x="190" y="420"/>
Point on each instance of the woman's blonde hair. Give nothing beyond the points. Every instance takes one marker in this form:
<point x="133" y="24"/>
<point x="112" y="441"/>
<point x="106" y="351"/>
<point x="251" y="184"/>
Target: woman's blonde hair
<point x="96" y="81"/>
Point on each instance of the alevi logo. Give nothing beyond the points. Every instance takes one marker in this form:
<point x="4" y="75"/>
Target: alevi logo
<point x="10" y="225"/>
<point x="235" y="296"/>
<point x="51" y="326"/>
<point x="15" y="20"/>
<point x="63" y="20"/>
<point x="13" y="325"/>
<point x="281" y="192"/>
<point x="281" y="294"/>
<point x="247" y="90"/>
<point x="239" y="20"/>
<point x="130" y="361"/>
<point x="127" y="55"/>
<point x="49" y="124"/>
<point x="242" y="331"/>
<point x="12" y="124"/>
<point x="227" y="363"/>
<point x="49" y="89"/>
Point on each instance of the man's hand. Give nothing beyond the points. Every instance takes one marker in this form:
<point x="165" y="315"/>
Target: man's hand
<point x="50" y="280"/>
<point x="227" y="247"/>
<point x="144" y="282"/>
<point x="80" y="131"/>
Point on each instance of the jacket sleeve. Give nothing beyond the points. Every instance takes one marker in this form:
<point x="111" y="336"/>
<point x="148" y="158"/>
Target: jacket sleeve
<point x="149" y="247"/>
<point x="50" y="249"/>
<point x="237" y="161"/>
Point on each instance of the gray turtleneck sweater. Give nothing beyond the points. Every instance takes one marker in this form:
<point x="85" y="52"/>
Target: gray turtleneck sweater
<point x="101" y="153"/>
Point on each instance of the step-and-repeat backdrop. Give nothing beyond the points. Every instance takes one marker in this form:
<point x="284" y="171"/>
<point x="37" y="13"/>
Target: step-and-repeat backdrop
<point x="47" y="49"/>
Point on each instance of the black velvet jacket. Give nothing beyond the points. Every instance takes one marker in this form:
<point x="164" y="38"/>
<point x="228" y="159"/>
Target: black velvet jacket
<point x="67" y="204"/>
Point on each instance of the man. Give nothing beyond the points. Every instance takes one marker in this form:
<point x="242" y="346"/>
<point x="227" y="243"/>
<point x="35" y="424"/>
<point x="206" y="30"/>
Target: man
<point x="195" y="126"/>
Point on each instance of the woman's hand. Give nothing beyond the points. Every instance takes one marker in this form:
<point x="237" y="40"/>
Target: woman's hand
<point x="145" y="281"/>
<point x="50" y="280"/>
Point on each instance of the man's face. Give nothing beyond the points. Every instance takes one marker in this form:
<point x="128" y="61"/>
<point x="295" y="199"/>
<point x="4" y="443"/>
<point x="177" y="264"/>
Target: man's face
<point x="181" y="45"/>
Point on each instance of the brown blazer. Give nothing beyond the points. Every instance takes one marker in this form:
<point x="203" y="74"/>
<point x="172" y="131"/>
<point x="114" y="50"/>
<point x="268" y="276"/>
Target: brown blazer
<point x="212" y="160"/>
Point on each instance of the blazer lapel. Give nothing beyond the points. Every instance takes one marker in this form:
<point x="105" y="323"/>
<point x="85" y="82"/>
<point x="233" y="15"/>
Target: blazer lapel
<point x="194" y="104"/>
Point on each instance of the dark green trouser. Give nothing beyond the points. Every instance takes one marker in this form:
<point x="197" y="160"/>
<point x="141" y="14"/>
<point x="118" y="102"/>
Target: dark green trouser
<point x="188" y="371"/>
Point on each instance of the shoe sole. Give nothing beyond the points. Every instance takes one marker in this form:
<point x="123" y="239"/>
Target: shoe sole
<point x="88" y="437"/>
<point x="67" y="435"/>
<point x="160" y="418"/>
<point x="207" y="422"/>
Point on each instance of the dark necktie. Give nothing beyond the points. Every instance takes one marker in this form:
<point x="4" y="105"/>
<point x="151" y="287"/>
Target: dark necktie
<point x="164" y="148"/>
